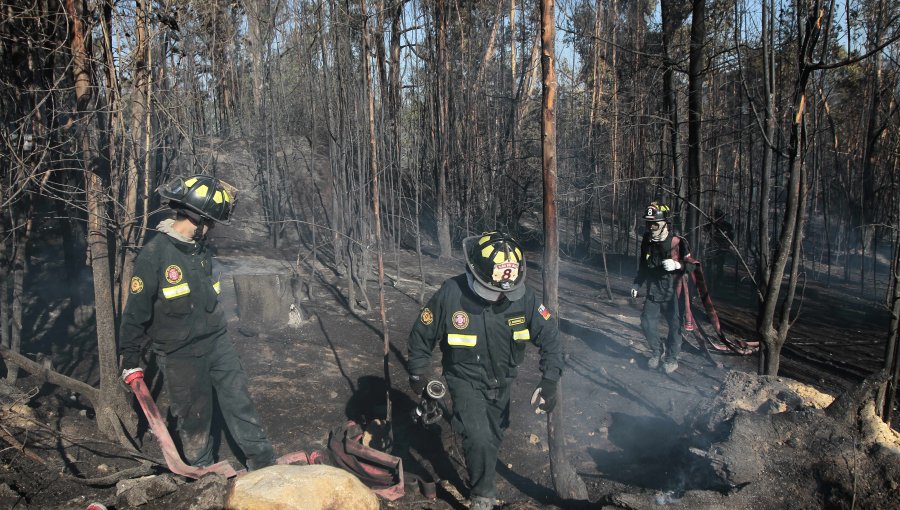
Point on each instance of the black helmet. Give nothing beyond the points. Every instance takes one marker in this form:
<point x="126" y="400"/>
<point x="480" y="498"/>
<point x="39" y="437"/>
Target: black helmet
<point x="656" y="212"/>
<point x="200" y="196"/>
<point x="497" y="262"/>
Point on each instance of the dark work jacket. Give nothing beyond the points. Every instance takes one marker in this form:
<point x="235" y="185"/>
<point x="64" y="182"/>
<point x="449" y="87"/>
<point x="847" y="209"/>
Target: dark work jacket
<point x="173" y="300"/>
<point x="483" y="343"/>
<point x="661" y="283"/>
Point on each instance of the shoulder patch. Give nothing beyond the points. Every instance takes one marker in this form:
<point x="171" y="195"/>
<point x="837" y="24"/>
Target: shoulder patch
<point x="137" y="285"/>
<point x="460" y="320"/>
<point x="545" y="313"/>
<point x="427" y="317"/>
<point x="173" y="274"/>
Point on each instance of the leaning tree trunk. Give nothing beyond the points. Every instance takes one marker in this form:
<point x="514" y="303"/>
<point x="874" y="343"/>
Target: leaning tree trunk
<point x="113" y="410"/>
<point x="566" y="482"/>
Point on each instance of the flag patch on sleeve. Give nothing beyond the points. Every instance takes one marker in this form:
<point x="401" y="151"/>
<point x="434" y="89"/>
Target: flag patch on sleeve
<point x="545" y="313"/>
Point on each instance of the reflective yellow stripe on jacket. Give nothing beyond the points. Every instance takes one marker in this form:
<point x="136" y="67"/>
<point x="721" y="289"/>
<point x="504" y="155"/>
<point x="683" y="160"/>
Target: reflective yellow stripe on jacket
<point x="176" y="291"/>
<point x="521" y="336"/>
<point x="462" y="340"/>
<point x="217" y="287"/>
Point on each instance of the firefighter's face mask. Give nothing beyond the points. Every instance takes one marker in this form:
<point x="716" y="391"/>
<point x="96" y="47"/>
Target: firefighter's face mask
<point x="658" y="230"/>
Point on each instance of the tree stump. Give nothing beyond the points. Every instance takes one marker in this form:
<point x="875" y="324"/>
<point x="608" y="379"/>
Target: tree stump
<point x="268" y="301"/>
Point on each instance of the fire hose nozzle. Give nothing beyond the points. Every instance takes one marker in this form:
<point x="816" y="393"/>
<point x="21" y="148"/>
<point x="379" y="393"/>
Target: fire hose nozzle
<point x="429" y="411"/>
<point x="435" y="390"/>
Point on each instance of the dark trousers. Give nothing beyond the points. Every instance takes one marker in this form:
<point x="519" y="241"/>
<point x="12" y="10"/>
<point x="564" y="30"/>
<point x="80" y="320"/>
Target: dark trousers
<point x="650" y="325"/>
<point x="189" y="382"/>
<point x="480" y="421"/>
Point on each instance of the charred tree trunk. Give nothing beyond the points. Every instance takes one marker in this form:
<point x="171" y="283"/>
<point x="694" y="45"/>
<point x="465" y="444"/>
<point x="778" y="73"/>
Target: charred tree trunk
<point x="874" y="129"/>
<point x="566" y="482"/>
<point x="789" y="243"/>
<point x="695" y="118"/>
<point x="4" y="279"/>
<point x="132" y="231"/>
<point x="20" y="237"/>
<point x="892" y="353"/>
<point x="442" y="75"/>
<point x="593" y="171"/>
<point x="113" y="411"/>
<point x="670" y="102"/>
<point x="768" y="140"/>
<point x="15" y="264"/>
<point x="376" y="205"/>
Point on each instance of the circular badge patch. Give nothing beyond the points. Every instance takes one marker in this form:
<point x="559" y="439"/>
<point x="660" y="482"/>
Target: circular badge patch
<point x="137" y="285"/>
<point x="427" y="317"/>
<point x="460" y="320"/>
<point x="173" y="274"/>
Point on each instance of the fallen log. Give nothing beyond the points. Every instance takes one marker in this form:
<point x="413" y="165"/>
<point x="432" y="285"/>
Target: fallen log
<point x="51" y="376"/>
<point x="9" y="439"/>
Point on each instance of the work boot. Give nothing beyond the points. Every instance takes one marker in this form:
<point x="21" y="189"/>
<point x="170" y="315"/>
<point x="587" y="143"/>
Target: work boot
<point x="481" y="503"/>
<point x="653" y="362"/>
<point x="670" y="366"/>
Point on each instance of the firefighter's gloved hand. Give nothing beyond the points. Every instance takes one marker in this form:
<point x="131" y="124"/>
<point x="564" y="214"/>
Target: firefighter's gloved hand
<point x="544" y="397"/>
<point x="130" y="374"/>
<point x="671" y="265"/>
<point x="417" y="383"/>
<point x="634" y="293"/>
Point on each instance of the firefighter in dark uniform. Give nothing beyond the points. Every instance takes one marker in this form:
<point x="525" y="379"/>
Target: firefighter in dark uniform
<point x="483" y="320"/>
<point x="658" y="269"/>
<point x="174" y="301"/>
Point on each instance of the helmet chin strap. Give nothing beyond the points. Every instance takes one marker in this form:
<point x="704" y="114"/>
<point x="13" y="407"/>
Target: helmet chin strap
<point x="199" y="235"/>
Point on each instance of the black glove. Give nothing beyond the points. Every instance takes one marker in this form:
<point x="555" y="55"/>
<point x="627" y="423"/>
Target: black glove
<point x="544" y="397"/>
<point x="417" y="383"/>
<point x="130" y="359"/>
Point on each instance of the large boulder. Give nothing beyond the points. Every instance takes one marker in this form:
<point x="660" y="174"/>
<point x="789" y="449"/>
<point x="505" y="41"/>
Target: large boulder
<point x="316" y="487"/>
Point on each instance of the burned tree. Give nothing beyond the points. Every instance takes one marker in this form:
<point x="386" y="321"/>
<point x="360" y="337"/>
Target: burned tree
<point x="566" y="482"/>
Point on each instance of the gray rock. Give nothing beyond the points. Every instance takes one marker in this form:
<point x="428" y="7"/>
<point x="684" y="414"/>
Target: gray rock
<point x="140" y="491"/>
